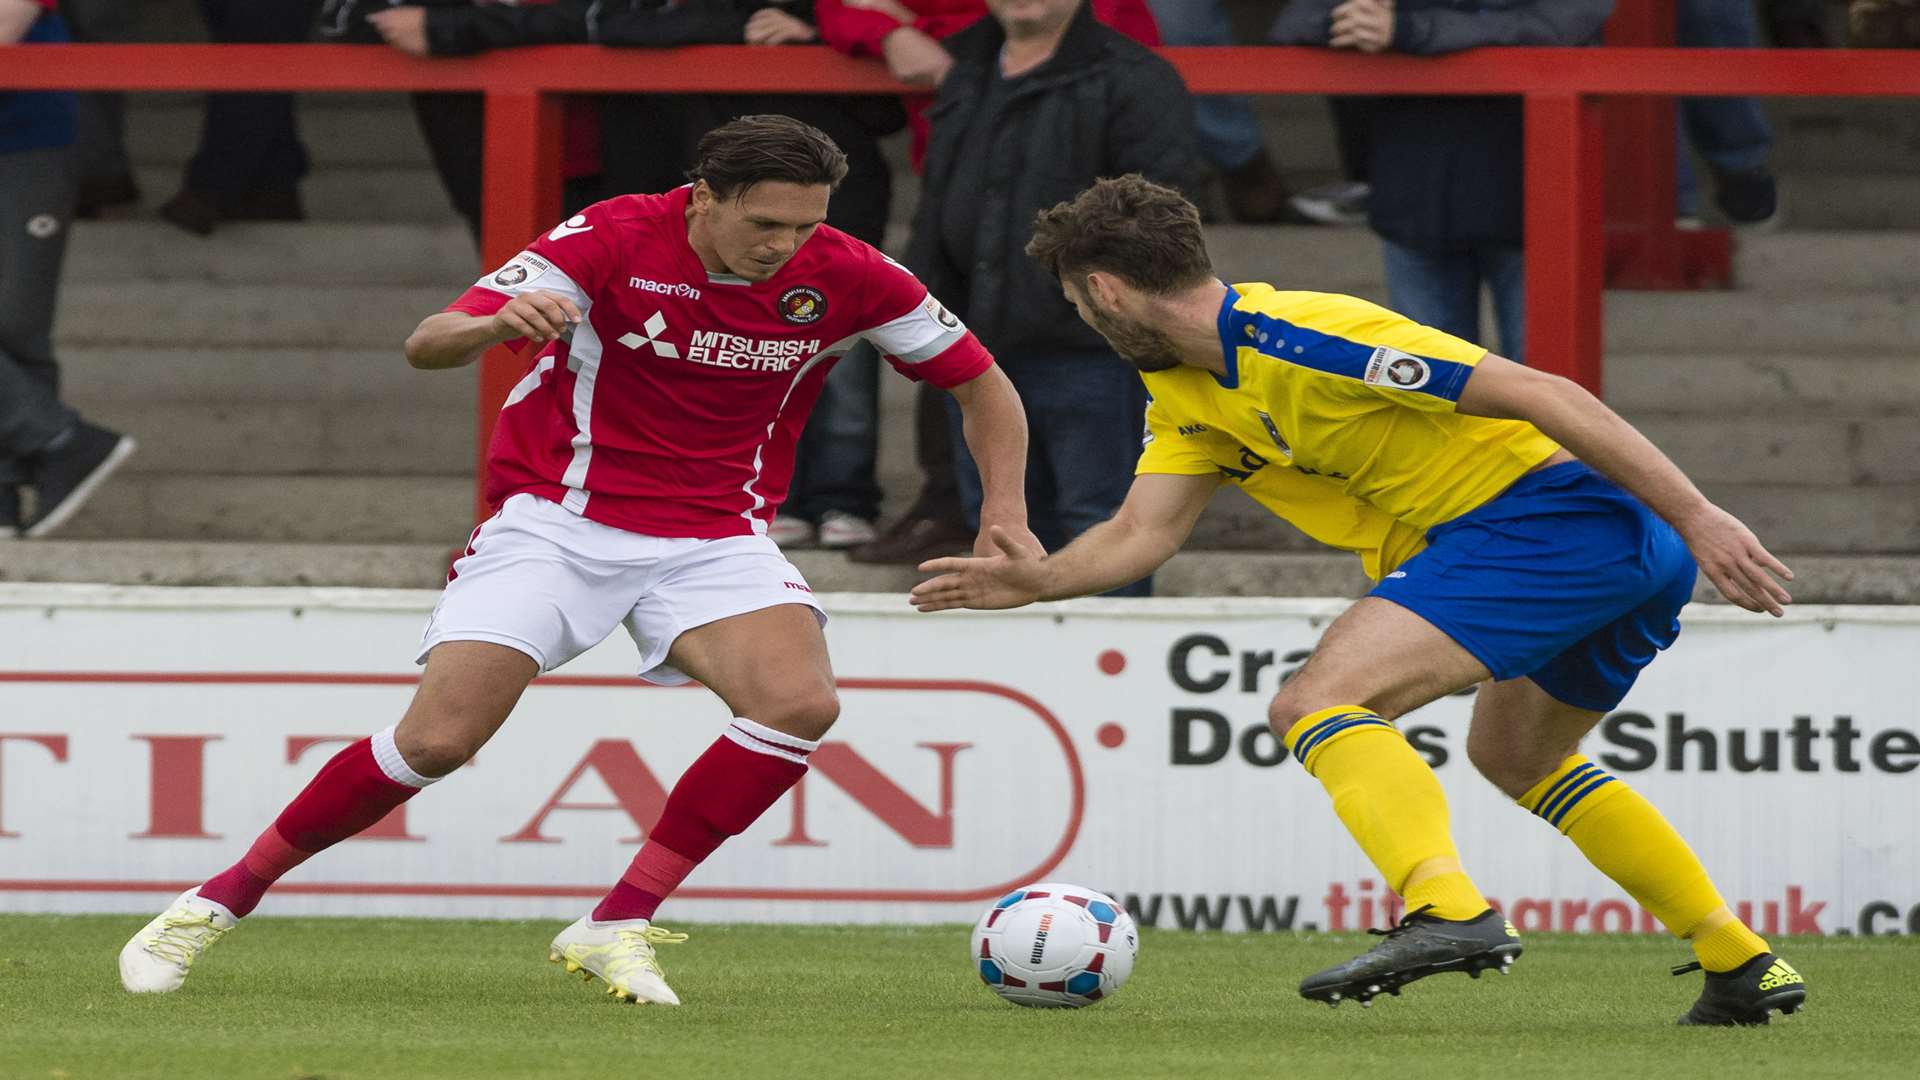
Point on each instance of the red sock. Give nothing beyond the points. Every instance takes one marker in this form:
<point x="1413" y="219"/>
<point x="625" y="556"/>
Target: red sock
<point x="743" y="773"/>
<point x="355" y="789"/>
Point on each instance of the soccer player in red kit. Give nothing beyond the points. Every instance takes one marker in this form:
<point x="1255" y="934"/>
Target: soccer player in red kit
<point x="635" y="469"/>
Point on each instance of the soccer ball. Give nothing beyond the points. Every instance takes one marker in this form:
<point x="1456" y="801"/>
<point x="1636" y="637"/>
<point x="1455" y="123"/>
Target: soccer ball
<point x="1054" y="946"/>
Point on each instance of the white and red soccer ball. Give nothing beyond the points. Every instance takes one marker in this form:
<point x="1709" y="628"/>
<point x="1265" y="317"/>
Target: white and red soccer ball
<point x="1052" y="945"/>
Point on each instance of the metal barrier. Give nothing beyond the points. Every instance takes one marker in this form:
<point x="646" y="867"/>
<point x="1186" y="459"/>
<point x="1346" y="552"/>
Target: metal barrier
<point x="1566" y="242"/>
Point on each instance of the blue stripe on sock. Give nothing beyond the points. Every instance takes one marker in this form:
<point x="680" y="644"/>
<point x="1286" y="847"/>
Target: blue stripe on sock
<point x="1322" y="733"/>
<point x="1564" y="785"/>
<point x="1603" y="780"/>
<point x="1336" y="718"/>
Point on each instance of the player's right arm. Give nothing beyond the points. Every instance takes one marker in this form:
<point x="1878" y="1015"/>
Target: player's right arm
<point x="1148" y="529"/>
<point x="449" y="339"/>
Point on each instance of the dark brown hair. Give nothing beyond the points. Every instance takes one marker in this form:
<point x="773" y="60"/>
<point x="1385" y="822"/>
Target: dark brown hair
<point x="755" y="149"/>
<point x="1146" y="234"/>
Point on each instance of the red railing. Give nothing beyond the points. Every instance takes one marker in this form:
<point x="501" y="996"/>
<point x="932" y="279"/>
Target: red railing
<point x="1566" y="241"/>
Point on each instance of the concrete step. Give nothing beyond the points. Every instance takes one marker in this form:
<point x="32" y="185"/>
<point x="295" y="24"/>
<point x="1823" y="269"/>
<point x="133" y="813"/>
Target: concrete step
<point x="346" y="439"/>
<point x="312" y="253"/>
<point x="338" y="129"/>
<point x="1824" y="261"/>
<point x="1858" y="520"/>
<point x="342" y="193"/>
<point x="1787" y="518"/>
<point x="1820" y="451"/>
<point x="227" y="562"/>
<point x="1867" y="134"/>
<point x="190" y="314"/>
<point x="1764" y="386"/>
<point x="1818" y="579"/>
<point x="1647" y="322"/>
<point x="96" y="376"/>
<point x="1827" y="199"/>
<point x="355" y="509"/>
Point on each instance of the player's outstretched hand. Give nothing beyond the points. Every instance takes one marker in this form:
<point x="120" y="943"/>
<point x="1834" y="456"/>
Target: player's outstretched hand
<point x="1012" y="577"/>
<point x="539" y="317"/>
<point x="1733" y="559"/>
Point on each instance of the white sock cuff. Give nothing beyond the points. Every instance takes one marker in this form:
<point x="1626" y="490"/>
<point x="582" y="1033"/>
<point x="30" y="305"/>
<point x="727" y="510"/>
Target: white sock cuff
<point x="387" y="756"/>
<point x="762" y="739"/>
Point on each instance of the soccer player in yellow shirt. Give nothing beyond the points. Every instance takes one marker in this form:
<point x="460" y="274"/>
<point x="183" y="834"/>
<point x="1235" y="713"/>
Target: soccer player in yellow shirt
<point x="1521" y="535"/>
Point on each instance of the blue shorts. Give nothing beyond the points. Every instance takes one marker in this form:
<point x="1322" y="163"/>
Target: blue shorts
<point x="1563" y="578"/>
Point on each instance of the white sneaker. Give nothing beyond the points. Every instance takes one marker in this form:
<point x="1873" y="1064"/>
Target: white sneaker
<point x="839" y="529"/>
<point x="157" y="959"/>
<point x="1343" y="202"/>
<point x="621" y="955"/>
<point x="790" y="531"/>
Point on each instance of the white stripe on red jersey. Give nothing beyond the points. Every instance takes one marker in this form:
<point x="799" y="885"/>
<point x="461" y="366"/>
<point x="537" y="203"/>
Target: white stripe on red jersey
<point x="674" y="407"/>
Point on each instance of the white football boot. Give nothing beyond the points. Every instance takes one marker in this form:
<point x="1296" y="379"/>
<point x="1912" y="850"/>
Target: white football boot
<point x="621" y="955"/>
<point x="157" y="959"/>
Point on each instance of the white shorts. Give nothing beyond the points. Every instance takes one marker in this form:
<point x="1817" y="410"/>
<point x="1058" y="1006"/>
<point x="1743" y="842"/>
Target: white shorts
<point x="552" y="584"/>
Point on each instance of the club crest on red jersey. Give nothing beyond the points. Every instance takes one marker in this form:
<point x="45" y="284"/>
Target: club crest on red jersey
<point x="802" y="304"/>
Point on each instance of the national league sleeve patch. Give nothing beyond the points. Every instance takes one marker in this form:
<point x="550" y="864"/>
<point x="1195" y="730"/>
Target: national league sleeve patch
<point x="1398" y="370"/>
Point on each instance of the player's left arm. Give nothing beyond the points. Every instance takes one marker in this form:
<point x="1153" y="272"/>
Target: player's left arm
<point x="1727" y="551"/>
<point x="995" y="425"/>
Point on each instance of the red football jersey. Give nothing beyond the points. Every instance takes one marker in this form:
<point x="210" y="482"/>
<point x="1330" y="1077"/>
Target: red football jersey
<point x="674" y="407"/>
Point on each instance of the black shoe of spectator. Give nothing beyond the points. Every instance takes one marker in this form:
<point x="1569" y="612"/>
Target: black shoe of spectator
<point x="1750" y="199"/>
<point x="1255" y="192"/>
<point x="97" y="193"/>
<point x="914" y="540"/>
<point x="277" y="204"/>
<point x="66" y="475"/>
<point x="195" y="211"/>
<point x="9" y="511"/>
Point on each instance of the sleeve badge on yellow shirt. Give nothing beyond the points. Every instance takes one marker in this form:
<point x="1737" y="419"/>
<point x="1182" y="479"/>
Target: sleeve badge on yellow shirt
<point x="1402" y="371"/>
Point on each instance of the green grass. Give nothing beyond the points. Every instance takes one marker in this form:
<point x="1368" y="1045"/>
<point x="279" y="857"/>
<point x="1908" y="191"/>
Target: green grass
<point x="337" y="998"/>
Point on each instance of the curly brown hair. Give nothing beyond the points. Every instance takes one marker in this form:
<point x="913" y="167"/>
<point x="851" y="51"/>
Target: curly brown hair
<point x="766" y="147"/>
<point x="1142" y="232"/>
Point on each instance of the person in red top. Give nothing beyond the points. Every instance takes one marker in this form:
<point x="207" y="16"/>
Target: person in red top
<point x="635" y="468"/>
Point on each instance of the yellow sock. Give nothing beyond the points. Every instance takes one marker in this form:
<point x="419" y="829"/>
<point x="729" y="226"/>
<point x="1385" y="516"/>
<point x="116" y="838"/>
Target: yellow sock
<point x="1391" y="803"/>
<point x="1628" y="840"/>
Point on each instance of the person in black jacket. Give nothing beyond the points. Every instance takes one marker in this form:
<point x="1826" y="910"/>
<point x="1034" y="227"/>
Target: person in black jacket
<point x="1041" y="101"/>
<point x="1446" y="171"/>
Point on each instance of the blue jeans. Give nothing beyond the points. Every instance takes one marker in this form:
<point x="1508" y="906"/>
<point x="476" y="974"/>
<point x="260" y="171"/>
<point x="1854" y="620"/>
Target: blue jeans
<point x="1442" y="290"/>
<point x="834" y="465"/>
<point x="1085" y="413"/>
<point x="1731" y="133"/>
<point x="1228" y="132"/>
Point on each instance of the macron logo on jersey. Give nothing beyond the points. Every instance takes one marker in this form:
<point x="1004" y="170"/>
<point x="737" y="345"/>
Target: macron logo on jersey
<point x="575" y="224"/>
<point x="655" y="326"/>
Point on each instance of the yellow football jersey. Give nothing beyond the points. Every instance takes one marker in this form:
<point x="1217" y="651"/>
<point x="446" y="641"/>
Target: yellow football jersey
<point x="1338" y="415"/>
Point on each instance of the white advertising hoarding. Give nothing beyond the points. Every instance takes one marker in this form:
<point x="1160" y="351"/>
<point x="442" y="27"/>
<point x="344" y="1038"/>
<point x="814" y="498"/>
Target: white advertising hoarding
<point x="146" y="736"/>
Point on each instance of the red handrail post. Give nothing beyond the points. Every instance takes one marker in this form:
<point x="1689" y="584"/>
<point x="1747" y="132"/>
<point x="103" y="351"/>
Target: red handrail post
<point x="520" y="188"/>
<point x="1644" y="248"/>
<point x="1565" y="218"/>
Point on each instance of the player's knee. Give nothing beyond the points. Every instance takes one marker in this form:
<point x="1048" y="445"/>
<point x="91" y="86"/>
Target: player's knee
<point x="806" y="715"/>
<point x="1508" y="769"/>
<point x="435" y="751"/>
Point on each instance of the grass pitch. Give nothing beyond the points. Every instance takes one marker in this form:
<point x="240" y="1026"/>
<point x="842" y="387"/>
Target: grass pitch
<point x="346" y="999"/>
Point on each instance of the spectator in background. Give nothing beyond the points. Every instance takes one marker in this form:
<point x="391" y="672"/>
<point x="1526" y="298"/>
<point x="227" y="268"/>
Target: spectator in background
<point x="1229" y="133"/>
<point x="103" y="177"/>
<point x="454" y="124"/>
<point x="43" y="443"/>
<point x="1730" y="133"/>
<point x="1042" y="100"/>
<point x="1883" y="24"/>
<point x="908" y="35"/>
<point x="250" y="162"/>
<point x="646" y="145"/>
<point x="1446" y="171"/>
